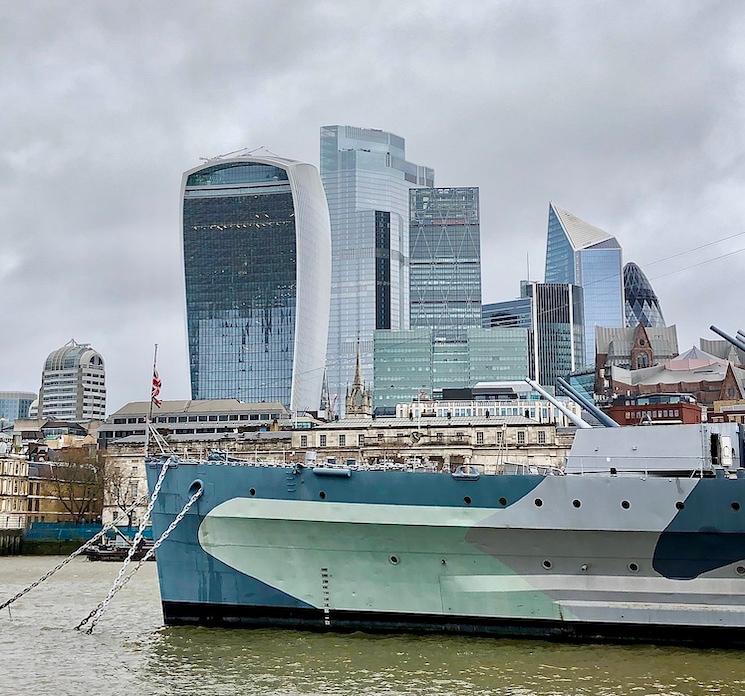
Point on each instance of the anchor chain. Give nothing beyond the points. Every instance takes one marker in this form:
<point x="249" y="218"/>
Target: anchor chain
<point x="124" y="515"/>
<point x="140" y="532"/>
<point x="95" y="615"/>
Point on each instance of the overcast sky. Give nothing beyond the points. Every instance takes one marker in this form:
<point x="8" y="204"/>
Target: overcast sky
<point x="629" y="114"/>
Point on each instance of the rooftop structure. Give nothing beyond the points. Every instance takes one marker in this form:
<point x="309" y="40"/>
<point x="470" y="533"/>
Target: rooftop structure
<point x="723" y="349"/>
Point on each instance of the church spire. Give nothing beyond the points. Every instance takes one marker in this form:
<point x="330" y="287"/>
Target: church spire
<point x="357" y="368"/>
<point x="359" y="398"/>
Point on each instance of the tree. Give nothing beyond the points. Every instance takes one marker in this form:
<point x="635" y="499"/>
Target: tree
<point x="120" y="490"/>
<point x="78" y="481"/>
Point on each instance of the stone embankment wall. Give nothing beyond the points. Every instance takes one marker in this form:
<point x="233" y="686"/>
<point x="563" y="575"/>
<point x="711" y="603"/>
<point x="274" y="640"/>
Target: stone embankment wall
<point x="10" y="542"/>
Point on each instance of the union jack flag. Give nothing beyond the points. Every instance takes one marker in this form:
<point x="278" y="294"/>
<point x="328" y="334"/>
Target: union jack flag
<point x="155" y="392"/>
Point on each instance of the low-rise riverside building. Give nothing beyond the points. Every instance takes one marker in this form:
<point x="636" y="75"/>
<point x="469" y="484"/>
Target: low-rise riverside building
<point x="190" y="429"/>
<point x="194" y="417"/>
<point x="656" y="409"/>
<point x="13" y="492"/>
<point x="496" y="444"/>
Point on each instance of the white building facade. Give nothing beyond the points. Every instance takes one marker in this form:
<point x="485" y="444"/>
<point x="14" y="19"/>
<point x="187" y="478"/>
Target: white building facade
<point x="73" y="384"/>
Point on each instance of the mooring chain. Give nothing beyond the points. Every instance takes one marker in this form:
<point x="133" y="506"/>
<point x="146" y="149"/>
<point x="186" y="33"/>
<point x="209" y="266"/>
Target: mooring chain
<point x="95" y="616"/>
<point x="124" y="515"/>
<point x="135" y="542"/>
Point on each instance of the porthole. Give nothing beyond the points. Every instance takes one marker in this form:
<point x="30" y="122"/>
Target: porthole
<point x="467" y="500"/>
<point x="735" y="506"/>
<point x="394" y="560"/>
<point x="547" y="564"/>
<point x="322" y="495"/>
<point x="633" y="567"/>
<point x="625" y="504"/>
<point x="740" y="570"/>
<point x="679" y="505"/>
<point x="576" y="503"/>
<point x="538" y="502"/>
<point x="503" y="501"/>
<point x="252" y="491"/>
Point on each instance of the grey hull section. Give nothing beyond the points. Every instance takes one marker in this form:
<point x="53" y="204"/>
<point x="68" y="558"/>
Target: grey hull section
<point x="579" y="557"/>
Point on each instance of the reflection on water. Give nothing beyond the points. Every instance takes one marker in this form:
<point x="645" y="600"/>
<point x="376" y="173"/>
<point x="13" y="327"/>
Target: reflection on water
<point x="130" y="653"/>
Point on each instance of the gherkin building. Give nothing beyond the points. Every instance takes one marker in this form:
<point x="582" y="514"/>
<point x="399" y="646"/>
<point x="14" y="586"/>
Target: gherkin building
<point x="641" y="305"/>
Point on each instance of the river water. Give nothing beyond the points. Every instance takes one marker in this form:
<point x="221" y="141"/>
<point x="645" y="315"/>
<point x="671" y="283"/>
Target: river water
<point x="131" y="653"/>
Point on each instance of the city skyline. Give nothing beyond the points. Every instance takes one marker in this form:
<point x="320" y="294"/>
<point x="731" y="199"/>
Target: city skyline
<point x="647" y="153"/>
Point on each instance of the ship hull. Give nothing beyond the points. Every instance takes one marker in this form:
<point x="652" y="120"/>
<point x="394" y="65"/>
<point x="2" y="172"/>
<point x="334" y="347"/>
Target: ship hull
<point x="575" y="557"/>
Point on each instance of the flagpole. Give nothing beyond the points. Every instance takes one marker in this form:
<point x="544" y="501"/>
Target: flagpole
<point x="150" y="408"/>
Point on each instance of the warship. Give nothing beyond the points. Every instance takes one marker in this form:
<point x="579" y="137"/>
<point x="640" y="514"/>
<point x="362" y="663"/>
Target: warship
<point x="639" y="537"/>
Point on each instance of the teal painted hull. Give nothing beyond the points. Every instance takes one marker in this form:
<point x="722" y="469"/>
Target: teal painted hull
<point x="575" y="556"/>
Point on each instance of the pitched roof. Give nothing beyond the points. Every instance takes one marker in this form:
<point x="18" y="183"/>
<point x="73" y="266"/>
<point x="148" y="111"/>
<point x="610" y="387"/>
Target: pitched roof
<point x="692" y="366"/>
<point x="581" y="234"/>
<point x="140" y="408"/>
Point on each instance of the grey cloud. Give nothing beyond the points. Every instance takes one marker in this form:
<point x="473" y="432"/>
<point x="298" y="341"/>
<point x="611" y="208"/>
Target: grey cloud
<point x="629" y="114"/>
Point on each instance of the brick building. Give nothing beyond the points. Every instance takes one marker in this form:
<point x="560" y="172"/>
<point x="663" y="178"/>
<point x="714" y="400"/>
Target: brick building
<point x="706" y="377"/>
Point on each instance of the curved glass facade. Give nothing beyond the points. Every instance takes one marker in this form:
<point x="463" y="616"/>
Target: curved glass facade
<point x="641" y="304"/>
<point x="241" y="249"/>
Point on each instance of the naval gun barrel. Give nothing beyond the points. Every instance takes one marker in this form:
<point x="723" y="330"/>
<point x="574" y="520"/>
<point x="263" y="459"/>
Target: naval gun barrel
<point x="571" y="416"/>
<point x="572" y="393"/>
<point x="737" y="343"/>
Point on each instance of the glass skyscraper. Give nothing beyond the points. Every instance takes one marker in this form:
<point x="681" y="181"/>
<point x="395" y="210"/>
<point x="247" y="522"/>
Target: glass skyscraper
<point x="553" y="315"/>
<point x="641" y="306"/>
<point x="445" y="260"/>
<point x="367" y="180"/>
<point x="14" y="405"/>
<point x="257" y="258"/>
<point x="411" y="363"/>
<point x="579" y="254"/>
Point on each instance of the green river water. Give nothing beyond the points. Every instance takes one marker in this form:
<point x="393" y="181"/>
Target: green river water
<point x="131" y="653"/>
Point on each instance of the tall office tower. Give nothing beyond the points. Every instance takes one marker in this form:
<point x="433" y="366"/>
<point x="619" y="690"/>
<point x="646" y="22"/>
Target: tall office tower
<point x="641" y="305"/>
<point x="73" y="384"/>
<point x="580" y="254"/>
<point x="257" y="263"/>
<point x="367" y="181"/>
<point x="445" y="263"/>
<point x="553" y="315"/>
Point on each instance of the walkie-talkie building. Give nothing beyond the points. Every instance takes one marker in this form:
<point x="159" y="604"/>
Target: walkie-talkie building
<point x="257" y="266"/>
